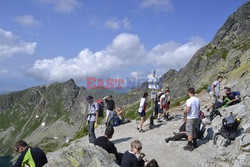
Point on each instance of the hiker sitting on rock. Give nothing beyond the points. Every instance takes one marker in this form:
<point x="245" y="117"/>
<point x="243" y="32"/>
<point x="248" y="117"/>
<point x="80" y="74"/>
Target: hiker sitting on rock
<point x="30" y="156"/>
<point x="120" y="114"/>
<point x="106" y="144"/>
<point x="129" y="158"/>
<point x="231" y="97"/>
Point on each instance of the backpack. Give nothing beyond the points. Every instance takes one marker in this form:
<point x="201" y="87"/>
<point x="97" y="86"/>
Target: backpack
<point x="213" y="114"/>
<point x="229" y="129"/>
<point x="114" y="120"/>
<point x="229" y="125"/>
<point x="159" y="96"/>
<point x="100" y="108"/>
<point x="200" y="130"/>
<point x="209" y="89"/>
<point x="201" y="115"/>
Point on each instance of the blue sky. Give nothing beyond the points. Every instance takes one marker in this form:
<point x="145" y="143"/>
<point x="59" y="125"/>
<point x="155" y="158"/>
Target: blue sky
<point x="44" y="41"/>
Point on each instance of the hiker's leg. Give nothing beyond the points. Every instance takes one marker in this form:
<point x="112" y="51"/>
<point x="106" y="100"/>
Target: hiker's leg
<point x="107" y="116"/>
<point x="91" y="129"/>
<point x="189" y="129"/>
<point x="179" y="136"/>
<point x="141" y="122"/>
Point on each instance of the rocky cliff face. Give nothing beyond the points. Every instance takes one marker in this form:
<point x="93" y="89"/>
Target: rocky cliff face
<point x="40" y="115"/>
<point x="228" y="51"/>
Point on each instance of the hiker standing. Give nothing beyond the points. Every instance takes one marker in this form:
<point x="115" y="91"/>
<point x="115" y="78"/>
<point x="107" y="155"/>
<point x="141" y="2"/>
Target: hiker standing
<point x="110" y="108"/>
<point x="142" y="111"/>
<point x="215" y="90"/>
<point x="192" y="110"/>
<point x="92" y="118"/>
<point x="166" y="106"/>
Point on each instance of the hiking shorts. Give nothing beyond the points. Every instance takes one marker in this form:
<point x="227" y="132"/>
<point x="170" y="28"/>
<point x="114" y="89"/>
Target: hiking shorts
<point x="191" y="125"/>
<point x="166" y="106"/>
<point x="212" y="99"/>
<point x="160" y="110"/>
<point x="142" y="114"/>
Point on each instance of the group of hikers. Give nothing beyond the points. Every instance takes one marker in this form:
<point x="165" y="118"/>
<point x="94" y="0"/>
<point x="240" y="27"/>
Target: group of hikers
<point x="134" y="158"/>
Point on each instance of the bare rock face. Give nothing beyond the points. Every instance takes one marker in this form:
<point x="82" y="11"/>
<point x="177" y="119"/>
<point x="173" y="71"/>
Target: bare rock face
<point x="228" y="51"/>
<point x="77" y="155"/>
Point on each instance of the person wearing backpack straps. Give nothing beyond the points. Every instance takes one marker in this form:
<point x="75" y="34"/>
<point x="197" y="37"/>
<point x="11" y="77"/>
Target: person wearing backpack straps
<point x="92" y="118"/>
<point x="215" y="90"/>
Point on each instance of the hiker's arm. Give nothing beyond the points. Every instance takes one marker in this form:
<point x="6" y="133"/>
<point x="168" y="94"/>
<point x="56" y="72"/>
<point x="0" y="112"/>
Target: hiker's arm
<point x="235" y="99"/>
<point x="161" y="102"/>
<point x="168" y="98"/>
<point x="212" y="87"/>
<point x="96" y="112"/>
<point x="105" y="98"/>
<point x="188" y="109"/>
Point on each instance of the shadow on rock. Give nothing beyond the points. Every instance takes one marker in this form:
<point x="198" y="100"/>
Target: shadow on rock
<point x="121" y="140"/>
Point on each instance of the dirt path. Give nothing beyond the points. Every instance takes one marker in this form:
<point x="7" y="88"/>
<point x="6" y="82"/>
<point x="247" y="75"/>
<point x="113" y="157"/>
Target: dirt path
<point x="154" y="145"/>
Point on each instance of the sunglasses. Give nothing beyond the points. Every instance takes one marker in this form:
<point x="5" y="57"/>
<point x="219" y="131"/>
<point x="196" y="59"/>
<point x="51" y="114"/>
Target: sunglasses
<point x="17" y="149"/>
<point x="139" y="148"/>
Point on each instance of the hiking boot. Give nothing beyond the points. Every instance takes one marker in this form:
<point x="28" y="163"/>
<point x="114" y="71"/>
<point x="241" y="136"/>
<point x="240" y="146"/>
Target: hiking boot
<point x="167" y="140"/>
<point x="158" y="120"/>
<point x="141" y="131"/>
<point x="195" y="144"/>
<point x="188" y="148"/>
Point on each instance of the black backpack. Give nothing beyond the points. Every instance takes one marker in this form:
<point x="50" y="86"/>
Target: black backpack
<point x="200" y="130"/>
<point x="229" y="129"/>
<point x="158" y="97"/>
<point x="213" y="114"/>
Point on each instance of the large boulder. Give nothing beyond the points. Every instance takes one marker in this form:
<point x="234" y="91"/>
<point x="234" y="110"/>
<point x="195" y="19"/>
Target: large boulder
<point x="77" y="155"/>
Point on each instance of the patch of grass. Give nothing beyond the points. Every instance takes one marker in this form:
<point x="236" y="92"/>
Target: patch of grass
<point x="50" y="147"/>
<point x="224" y="53"/>
<point x="82" y="132"/>
<point x="204" y="87"/>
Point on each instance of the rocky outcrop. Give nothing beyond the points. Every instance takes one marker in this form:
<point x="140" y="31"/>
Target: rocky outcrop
<point x="77" y="155"/>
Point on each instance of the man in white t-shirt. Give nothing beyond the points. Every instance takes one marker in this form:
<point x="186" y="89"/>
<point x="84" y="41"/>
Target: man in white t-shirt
<point x="92" y="118"/>
<point x="192" y="111"/>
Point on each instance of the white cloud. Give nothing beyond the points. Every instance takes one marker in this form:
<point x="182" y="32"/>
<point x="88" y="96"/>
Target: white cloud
<point x="11" y="45"/>
<point x="158" y="5"/>
<point x="175" y="55"/>
<point x="3" y="70"/>
<point x="62" y="6"/>
<point x="112" y="24"/>
<point x="125" y="52"/>
<point x="115" y="25"/>
<point x="27" y="20"/>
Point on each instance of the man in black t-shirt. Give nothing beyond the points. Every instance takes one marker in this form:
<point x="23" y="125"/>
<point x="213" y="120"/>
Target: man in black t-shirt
<point x="107" y="145"/>
<point x="110" y="108"/>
